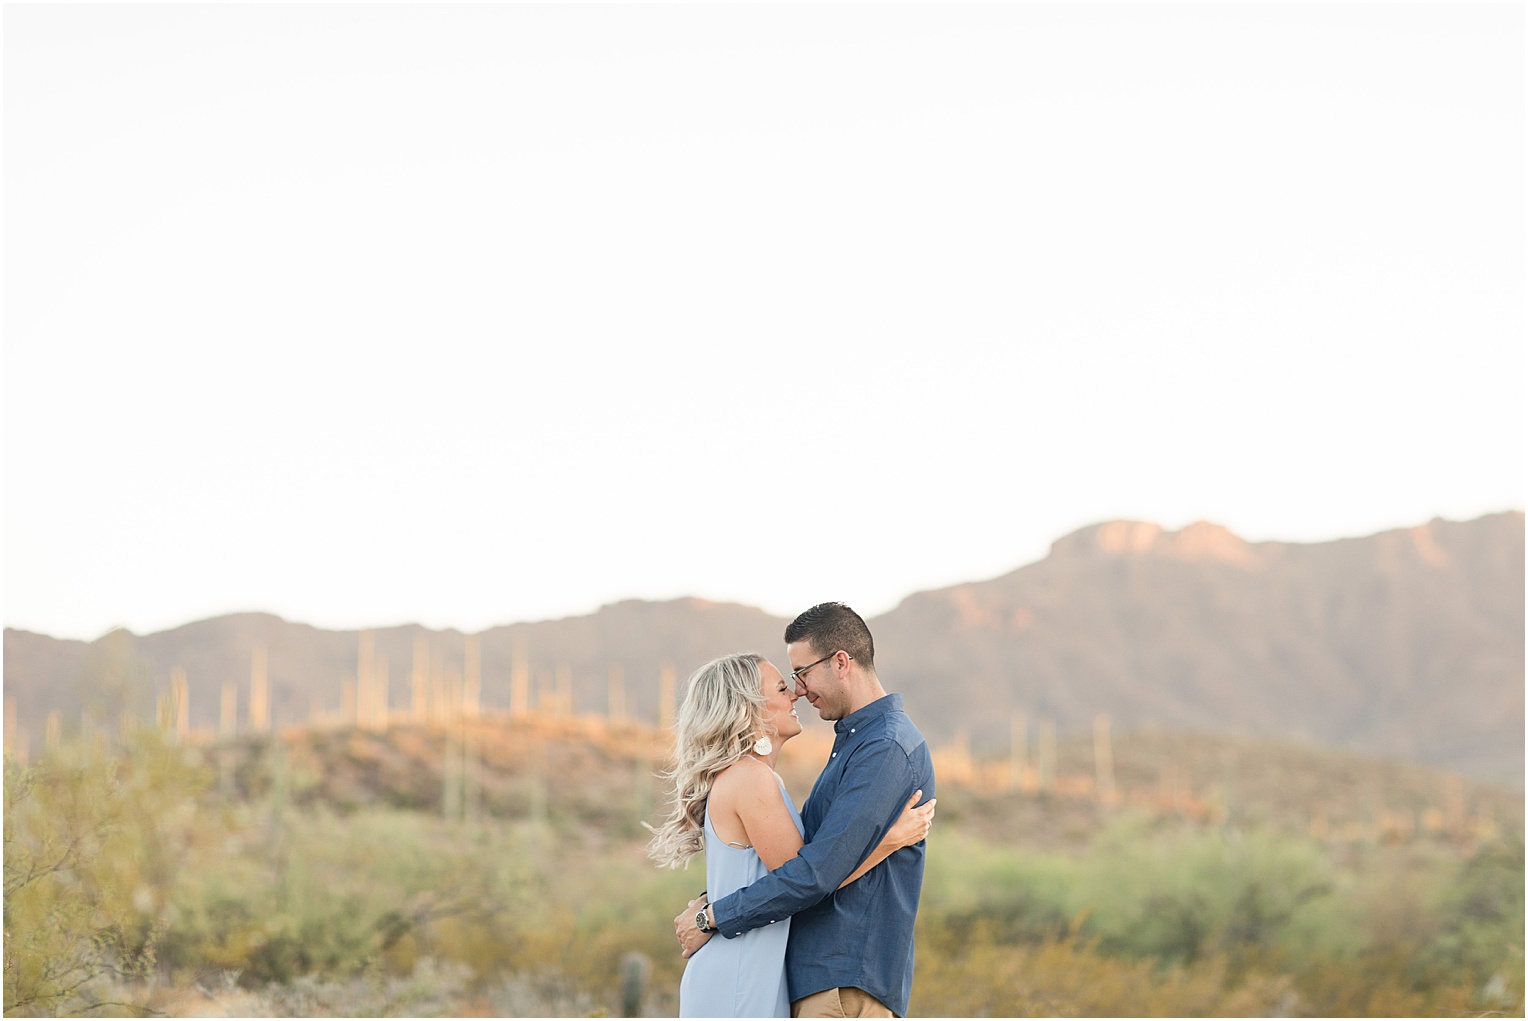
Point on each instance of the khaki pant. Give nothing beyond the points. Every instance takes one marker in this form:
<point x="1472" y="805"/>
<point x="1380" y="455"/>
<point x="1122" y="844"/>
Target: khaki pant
<point x="845" y="1001"/>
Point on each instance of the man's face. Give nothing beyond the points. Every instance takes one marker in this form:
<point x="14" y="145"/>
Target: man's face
<point x="820" y="684"/>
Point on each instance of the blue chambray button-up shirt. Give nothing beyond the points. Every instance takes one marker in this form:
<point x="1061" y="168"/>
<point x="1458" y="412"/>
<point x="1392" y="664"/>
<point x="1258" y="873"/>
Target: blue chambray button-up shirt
<point x="861" y="935"/>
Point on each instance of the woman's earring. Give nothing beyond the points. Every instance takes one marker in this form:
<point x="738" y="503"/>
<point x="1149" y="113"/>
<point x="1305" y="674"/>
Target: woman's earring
<point x="763" y="746"/>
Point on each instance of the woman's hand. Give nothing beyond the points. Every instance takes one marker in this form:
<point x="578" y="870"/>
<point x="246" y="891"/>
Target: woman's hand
<point x="913" y="824"/>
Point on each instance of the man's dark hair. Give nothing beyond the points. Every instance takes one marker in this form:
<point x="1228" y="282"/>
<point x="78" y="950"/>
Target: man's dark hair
<point x="830" y="627"/>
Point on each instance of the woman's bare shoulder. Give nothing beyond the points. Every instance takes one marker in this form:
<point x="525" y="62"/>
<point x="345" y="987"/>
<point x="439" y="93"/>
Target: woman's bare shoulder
<point x="745" y="777"/>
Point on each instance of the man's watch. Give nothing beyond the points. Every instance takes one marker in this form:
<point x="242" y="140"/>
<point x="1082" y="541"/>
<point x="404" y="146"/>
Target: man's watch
<point x="701" y="923"/>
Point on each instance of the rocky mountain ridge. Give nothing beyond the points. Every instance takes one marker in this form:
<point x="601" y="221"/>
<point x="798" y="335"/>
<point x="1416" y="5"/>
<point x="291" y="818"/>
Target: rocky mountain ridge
<point x="1407" y="644"/>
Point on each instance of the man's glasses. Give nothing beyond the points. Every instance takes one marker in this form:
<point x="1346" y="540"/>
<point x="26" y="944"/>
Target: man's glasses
<point x="800" y="672"/>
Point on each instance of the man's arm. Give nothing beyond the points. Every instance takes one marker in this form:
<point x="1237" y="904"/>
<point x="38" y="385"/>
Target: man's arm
<point x="876" y="784"/>
<point x="909" y="828"/>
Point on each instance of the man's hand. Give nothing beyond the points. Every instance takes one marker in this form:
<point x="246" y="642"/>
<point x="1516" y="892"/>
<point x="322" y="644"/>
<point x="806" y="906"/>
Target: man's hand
<point x="691" y="939"/>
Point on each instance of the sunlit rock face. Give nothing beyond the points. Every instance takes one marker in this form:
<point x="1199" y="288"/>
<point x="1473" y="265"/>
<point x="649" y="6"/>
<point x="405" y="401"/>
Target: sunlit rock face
<point x="1406" y="644"/>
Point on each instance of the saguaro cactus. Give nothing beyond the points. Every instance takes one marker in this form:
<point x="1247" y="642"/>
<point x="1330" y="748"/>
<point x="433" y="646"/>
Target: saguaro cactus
<point x="259" y="692"/>
<point x="473" y="672"/>
<point x="617" y="701"/>
<point x="1047" y="764"/>
<point x="228" y="716"/>
<point x="1018" y="749"/>
<point x="635" y="968"/>
<point x="417" y="679"/>
<point x="365" y="655"/>
<point x="1103" y="759"/>
<point x="666" y="702"/>
<point x="381" y="700"/>
<point x="519" y="681"/>
<point x="180" y="700"/>
<point x="564" y="694"/>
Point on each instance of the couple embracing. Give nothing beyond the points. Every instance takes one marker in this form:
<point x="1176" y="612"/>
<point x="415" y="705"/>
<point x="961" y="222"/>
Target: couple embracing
<point x="813" y="912"/>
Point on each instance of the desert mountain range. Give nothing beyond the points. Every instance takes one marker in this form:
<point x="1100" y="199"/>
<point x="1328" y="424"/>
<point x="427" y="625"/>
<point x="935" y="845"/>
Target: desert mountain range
<point x="1408" y="644"/>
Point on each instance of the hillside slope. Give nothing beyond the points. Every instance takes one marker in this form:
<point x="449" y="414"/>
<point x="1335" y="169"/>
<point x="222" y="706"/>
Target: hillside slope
<point x="1407" y="644"/>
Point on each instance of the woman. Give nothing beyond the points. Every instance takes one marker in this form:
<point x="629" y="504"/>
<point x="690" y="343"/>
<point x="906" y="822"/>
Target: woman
<point x="738" y="712"/>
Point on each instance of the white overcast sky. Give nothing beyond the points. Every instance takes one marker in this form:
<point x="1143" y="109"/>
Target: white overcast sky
<point x="470" y="315"/>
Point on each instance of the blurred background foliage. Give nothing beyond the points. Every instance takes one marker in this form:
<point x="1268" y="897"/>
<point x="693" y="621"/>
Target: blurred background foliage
<point x="151" y="877"/>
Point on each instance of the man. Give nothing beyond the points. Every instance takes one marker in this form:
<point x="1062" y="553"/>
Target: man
<point x="851" y="950"/>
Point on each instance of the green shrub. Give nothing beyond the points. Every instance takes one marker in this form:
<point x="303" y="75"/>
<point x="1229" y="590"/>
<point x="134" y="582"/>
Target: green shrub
<point x="1481" y="924"/>
<point x="94" y="847"/>
<point x="1181" y="895"/>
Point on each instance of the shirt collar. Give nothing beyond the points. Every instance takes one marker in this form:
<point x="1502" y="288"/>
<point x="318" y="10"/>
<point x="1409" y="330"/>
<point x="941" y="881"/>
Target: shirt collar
<point x="881" y="706"/>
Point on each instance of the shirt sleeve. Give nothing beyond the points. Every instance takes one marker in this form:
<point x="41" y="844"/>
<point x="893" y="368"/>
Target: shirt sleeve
<point x="876" y="784"/>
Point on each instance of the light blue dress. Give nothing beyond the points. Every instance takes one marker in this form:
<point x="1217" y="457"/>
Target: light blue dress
<point x="743" y="976"/>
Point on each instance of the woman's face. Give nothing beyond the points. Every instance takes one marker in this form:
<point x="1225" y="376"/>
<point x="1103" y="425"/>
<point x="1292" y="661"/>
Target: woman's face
<point x="779" y="704"/>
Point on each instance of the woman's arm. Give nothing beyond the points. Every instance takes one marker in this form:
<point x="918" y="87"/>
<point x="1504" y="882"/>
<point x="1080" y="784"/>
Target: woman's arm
<point x="751" y="796"/>
<point x="748" y="808"/>
<point x="911" y="826"/>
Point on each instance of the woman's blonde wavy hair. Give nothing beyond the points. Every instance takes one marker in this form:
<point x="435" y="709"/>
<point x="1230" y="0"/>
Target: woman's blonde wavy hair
<point x="721" y="718"/>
